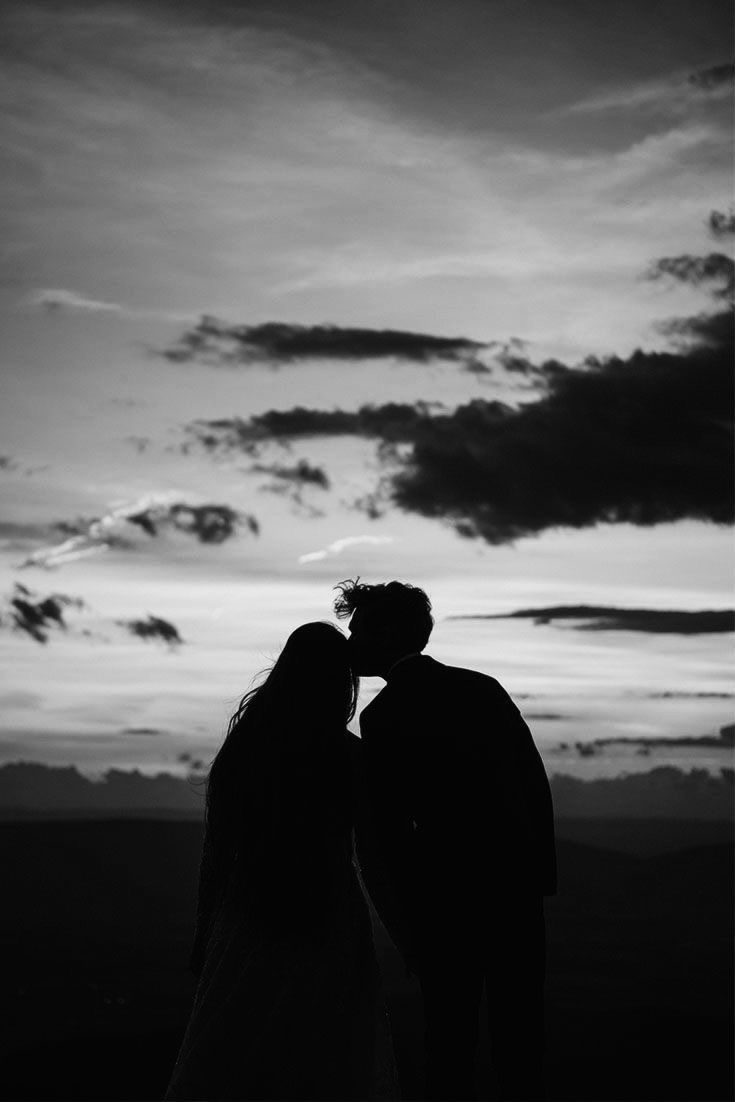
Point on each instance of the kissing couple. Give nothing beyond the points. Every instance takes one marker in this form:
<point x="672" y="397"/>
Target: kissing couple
<point x="441" y="811"/>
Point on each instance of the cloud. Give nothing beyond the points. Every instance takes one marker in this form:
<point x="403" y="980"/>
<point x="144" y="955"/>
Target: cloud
<point x="38" y="616"/>
<point x="721" y="741"/>
<point x="706" y="330"/>
<point x="57" y="299"/>
<point x="604" y="618"/>
<point x="547" y="716"/>
<point x="644" y="440"/>
<point x="278" y="343"/>
<point x="670" y="694"/>
<point x="210" y="523"/>
<point x="674" y="93"/>
<point x="715" y="272"/>
<point x="301" y="474"/>
<point x="154" y="627"/>
<point x="721" y="224"/>
<point x="714" y="77"/>
<point x="340" y="545"/>
<point x="396" y="422"/>
<point x="25" y="611"/>
<point x="293" y="481"/>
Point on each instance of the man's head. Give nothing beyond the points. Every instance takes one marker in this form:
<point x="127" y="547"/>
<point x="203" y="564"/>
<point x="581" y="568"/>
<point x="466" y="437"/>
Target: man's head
<point x="388" y="621"/>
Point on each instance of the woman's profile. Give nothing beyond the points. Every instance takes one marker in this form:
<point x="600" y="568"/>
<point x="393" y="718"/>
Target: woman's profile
<point x="288" y="1001"/>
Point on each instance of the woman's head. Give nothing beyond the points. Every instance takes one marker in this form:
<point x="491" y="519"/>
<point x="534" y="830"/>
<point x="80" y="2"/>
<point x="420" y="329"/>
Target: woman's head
<point x="312" y="676"/>
<point x="284" y="729"/>
<point x="311" y="686"/>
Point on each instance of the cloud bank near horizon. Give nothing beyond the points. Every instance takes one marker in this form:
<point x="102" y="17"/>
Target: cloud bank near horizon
<point x="604" y="618"/>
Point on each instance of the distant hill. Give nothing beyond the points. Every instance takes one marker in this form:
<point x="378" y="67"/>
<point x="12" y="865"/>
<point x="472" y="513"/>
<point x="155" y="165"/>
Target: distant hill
<point x="33" y="790"/>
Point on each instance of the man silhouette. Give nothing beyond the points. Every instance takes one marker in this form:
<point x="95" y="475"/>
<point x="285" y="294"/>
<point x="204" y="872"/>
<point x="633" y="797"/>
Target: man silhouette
<point x="461" y="828"/>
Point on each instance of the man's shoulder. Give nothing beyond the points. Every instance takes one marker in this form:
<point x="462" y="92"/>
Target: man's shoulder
<point x="425" y="682"/>
<point x="463" y="678"/>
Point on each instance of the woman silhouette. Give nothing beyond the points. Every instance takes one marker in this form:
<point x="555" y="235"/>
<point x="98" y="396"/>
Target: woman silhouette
<point x="288" y="1001"/>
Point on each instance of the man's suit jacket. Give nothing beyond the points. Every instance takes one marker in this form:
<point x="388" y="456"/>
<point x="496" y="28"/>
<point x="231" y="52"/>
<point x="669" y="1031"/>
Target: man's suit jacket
<point x="460" y="809"/>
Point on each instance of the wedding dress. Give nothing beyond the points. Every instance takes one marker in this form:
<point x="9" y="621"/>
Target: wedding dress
<point x="288" y="1002"/>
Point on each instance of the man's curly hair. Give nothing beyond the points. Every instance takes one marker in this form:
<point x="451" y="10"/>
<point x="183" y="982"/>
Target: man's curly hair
<point x="400" y="610"/>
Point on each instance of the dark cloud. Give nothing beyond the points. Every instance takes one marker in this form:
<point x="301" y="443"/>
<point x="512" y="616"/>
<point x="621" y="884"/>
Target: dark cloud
<point x="146" y="731"/>
<point x="644" y="440"/>
<point x="36" y="616"/>
<point x="292" y="482"/>
<point x="215" y="342"/>
<point x="153" y="627"/>
<point x="674" y="695"/>
<point x="301" y="474"/>
<point x="604" y="618"/>
<point x="394" y="422"/>
<point x="724" y="740"/>
<point x="713" y="76"/>
<point x="721" y="224"/>
<point x="715" y="272"/>
<point x="706" y="330"/>
<point x="210" y="523"/>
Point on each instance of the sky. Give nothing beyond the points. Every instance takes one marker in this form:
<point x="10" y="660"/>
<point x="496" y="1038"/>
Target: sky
<point x="448" y="205"/>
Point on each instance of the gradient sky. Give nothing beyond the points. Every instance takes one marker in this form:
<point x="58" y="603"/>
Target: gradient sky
<point x="469" y="168"/>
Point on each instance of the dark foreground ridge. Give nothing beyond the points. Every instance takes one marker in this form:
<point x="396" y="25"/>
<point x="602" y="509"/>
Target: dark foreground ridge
<point x="100" y="914"/>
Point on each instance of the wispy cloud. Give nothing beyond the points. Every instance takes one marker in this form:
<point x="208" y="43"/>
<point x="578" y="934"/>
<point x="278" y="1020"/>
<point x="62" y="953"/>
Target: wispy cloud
<point x="228" y="163"/>
<point x="58" y="300"/>
<point x="118" y="529"/>
<point x="340" y="545"/>
<point x="54" y="299"/>
<point x="675" y="93"/>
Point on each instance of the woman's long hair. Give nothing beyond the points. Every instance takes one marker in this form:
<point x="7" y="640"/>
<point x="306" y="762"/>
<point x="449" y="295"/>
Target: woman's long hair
<point x="292" y="723"/>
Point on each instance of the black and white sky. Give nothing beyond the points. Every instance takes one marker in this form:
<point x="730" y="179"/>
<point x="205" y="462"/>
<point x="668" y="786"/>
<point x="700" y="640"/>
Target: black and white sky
<point x="296" y="291"/>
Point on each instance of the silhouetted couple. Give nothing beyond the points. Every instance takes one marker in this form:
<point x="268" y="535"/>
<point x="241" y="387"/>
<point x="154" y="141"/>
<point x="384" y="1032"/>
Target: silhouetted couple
<point x="445" y="800"/>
